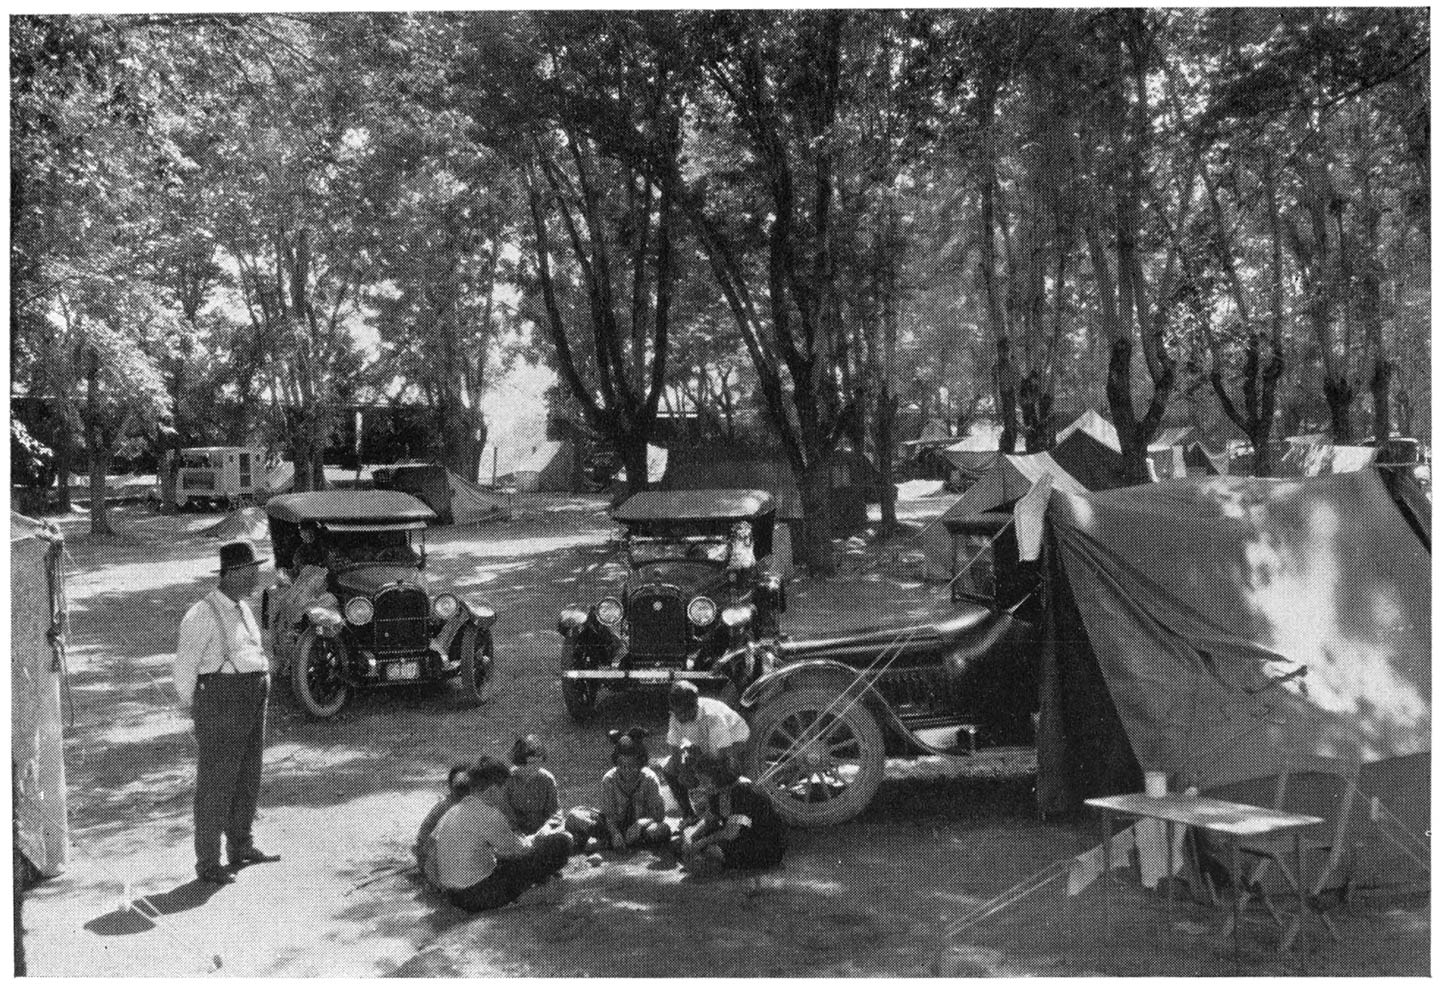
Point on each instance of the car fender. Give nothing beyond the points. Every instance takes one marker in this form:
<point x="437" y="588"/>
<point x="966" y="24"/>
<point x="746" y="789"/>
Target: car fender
<point x="826" y="674"/>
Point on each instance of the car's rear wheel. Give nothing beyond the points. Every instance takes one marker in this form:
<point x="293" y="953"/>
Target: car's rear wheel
<point x="316" y="675"/>
<point x="820" y="757"/>
<point x="580" y="696"/>
<point x="477" y="664"/>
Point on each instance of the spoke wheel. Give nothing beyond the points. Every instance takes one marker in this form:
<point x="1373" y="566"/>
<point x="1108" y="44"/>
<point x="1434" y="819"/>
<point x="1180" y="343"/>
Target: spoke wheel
<point x="820" y="761"/>
<point x="580" y="696"/>
<point x="477" y="665"/>
<point x="315" y="675"/>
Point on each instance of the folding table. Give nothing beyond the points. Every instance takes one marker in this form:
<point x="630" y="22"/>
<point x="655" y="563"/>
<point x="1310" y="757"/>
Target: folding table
<point x="1230" y="820"/>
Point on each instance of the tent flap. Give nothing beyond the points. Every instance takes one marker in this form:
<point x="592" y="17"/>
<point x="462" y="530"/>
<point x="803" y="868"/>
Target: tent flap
<point x="1246" y="626"/>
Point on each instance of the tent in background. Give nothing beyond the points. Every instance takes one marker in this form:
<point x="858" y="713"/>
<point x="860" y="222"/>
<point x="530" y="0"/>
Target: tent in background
<point x="1078" y="464"/>
<point x="976" y="454"/>
<point x="1227" y="629"/>
<point x="454" y="499"/>
<point x="1307" y="458"/>
<point x="1166" y="451"/>
<point x="549" y="466"/>
<point x="1093" y="424"/>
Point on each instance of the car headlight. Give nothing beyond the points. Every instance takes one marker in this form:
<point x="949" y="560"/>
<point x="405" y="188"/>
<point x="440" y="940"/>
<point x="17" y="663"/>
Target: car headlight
<point x="359" y="611"/>
<point x="737" y="616"/>
<point x="701" y="611"/>
<point x="445" y="606"/>
<point x="609" y="611"/>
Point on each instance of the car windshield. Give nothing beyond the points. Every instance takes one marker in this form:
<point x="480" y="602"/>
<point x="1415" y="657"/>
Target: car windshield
<point x="644" y="550"/>
<point x="347" y="548"/>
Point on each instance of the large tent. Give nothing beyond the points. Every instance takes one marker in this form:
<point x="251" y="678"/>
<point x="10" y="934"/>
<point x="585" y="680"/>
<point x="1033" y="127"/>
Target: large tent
<point x="1226" y="630"/>
<point x="454" y="499"/>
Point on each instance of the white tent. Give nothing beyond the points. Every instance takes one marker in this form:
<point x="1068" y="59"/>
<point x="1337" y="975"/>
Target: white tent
<point x="1093" y="424"/>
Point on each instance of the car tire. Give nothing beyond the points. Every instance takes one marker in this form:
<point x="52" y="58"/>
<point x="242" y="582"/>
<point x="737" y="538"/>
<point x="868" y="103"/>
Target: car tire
<point x="315" y="675"/>
<point x="836" y="776"/>
<point x="580" y="697"/>
<point x="477" y="665"/>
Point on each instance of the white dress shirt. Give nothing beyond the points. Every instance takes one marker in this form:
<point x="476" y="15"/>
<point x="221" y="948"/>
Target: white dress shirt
<point x="203" y="643"/>
<point x="716" y="726"/>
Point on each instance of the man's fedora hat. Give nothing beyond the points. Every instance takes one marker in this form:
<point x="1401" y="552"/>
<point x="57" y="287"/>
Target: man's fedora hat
<point x="237" y="555"/>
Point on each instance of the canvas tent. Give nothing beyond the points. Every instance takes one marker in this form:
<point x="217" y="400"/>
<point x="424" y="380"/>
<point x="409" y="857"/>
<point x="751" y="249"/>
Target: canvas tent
<point x="1078" y="464"/>
<point x="1093" y="424"/>
<point x="1225" y="630"/>
<point x="549" y="466"/>
<point x="37" y="760"/>
<point x="1309" y="458"/>
<point x="1166" y="451"/>
<point x="977" y="453"/>
<point x="454" y="499"/>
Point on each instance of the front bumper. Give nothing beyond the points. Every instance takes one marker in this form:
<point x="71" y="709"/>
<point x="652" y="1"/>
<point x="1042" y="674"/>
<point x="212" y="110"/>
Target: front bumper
<point x="641" y="675"/>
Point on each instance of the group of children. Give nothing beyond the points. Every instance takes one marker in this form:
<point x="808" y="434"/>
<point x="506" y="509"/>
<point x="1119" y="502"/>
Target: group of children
<point x="499" y="829"/>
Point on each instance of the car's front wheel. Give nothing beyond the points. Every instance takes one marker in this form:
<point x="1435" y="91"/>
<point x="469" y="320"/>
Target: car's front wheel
<point x="317" y="675"/>
<point x="477" y="664"/>
<point x="580" y="696"/>
<point x="820" y="757"/>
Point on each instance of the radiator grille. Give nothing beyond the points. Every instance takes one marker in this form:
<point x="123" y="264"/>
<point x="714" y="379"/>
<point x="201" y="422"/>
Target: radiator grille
<point x="658" y="625"/>
<point x="400" y="620"/>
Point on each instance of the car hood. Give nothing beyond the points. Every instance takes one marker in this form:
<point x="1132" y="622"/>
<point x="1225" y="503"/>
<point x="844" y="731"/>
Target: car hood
<point x="368" y="580"/>
<point x="691" y="577"/>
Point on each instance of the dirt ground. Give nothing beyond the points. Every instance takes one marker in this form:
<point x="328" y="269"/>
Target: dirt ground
<point x="341" y="800"/>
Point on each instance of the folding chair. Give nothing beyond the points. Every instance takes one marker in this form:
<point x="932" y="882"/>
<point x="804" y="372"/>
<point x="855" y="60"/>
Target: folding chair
<point x="1263" y="853"/>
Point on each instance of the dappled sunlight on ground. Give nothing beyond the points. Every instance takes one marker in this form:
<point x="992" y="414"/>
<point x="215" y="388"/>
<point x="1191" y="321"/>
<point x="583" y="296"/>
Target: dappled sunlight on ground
<point x="341" y="800"/>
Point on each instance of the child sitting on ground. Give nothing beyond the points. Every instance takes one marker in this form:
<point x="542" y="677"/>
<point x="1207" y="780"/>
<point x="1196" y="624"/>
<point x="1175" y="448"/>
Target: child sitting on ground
<point x="531" y="794"/>
<point x="740" y="830"/>
<point x="477" y="860"/>
<point x="632" y="810"/>
<point x="454" y="792"/>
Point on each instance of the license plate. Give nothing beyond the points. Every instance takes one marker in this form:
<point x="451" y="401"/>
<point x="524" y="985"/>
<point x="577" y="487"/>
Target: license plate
<point x="405" y="670"/>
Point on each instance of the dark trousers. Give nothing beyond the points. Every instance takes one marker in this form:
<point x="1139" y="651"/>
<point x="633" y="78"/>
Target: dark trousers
<point x="230" y="732"/>
<point x="513" y="875"/>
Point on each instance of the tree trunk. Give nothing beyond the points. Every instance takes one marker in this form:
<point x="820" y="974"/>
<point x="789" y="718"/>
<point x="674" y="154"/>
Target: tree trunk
<point x="1380" y="395"/>
<point x="64" y="460"/>
<point x="634" y="451"/>
<point x="1036" y="407"/>
<point x="1006" y="385"/>
<point x="816" y="551"/>
<point x="97" y="447"/>
<point x="1134" y="435"/>
<point x="885" y="413"/>
<point x="1338" y="397"/>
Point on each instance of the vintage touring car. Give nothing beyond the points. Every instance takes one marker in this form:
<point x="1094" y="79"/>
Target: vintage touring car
<point x="700" y="592"/>
<point x="361" y="612"/>
<point x="826" y="711"/>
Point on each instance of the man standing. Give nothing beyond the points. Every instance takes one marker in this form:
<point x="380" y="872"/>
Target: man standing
<point x="223" y="678"/>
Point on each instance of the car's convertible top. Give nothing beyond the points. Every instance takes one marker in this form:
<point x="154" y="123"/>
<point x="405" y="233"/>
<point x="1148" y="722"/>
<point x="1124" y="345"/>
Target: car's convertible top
<point x="349" y="507"/>
<point x="694" y="505"/>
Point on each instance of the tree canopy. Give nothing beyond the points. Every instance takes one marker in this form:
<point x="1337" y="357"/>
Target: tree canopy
<point x="810" y="228"/>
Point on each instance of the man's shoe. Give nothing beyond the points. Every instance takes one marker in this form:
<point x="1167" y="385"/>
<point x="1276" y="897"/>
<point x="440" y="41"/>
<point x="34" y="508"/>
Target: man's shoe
<point x="214" y="874"/>
<point x="252" y="855"/>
